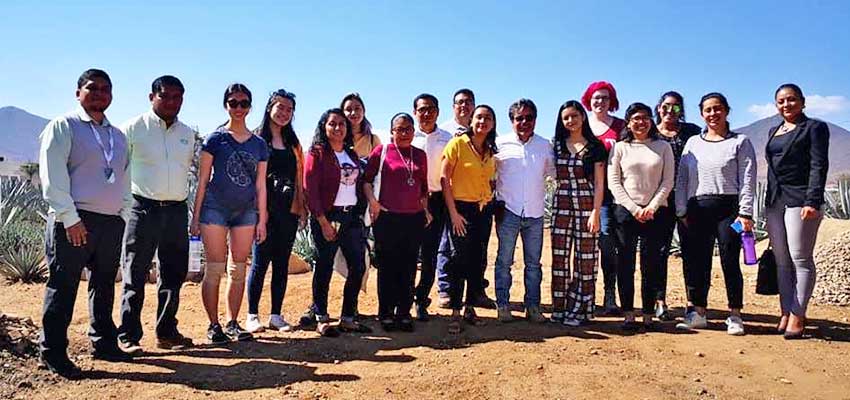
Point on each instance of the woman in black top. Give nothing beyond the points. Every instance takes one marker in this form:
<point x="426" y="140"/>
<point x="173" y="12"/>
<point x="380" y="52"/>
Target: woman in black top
<point x="797" y="157"/>
<point x="670" y="120"/>
<point x="286" y="210"/>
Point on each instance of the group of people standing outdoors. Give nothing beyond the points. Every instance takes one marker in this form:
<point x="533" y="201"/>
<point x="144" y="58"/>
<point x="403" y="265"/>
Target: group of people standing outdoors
<point x="118" y="196"/>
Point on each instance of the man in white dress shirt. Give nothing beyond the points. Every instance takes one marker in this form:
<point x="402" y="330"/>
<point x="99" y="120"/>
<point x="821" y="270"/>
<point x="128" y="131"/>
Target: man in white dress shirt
<point x="523" y="163"/>
<point x="432" y="140"/>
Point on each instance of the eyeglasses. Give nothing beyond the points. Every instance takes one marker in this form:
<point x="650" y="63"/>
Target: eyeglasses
<point x="403" y="131"/>
<point x="232" y="103"/>
<point x="674" y="108"/>
<point x="525" y="118"/>
<point x="426" y="109"/>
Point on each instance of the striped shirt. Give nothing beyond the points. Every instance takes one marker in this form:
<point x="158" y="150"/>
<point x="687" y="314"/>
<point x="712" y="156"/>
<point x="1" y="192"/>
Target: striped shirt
<point x="726" y="167"/>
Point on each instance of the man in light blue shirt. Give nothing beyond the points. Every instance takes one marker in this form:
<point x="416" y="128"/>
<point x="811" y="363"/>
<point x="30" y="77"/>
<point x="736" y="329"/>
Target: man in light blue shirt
<point x="83" y="169"/>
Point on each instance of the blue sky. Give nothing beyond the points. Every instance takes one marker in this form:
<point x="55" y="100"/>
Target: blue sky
<point x="389" y="52"/>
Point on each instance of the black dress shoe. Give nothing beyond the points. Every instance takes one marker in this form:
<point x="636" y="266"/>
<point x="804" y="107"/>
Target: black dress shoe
<point x="484" y="302"/>
<point x="61" y="366"/>
<point x="111" y="354"/>
<point x="422" y="313"/>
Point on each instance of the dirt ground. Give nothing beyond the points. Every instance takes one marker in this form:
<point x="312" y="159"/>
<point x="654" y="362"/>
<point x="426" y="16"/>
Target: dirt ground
<point x="496" y="361"/>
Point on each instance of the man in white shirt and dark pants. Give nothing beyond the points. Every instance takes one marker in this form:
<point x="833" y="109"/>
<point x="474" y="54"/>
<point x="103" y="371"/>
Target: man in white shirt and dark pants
<point x="432" y="140"/>
<point x="523" y="162"/>
<point x="161" y="153"/>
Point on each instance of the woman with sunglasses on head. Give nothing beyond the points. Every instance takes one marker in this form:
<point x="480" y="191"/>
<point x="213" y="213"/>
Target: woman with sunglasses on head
<point x="797" y="157"/>
<point x="670" y="119"/>
<point x="399" y="215"/>
<point x="334" y="192"/>
<point x="715" y="188"/>
<point x="355" y="110"/>
<point x="286" y="210"/>
<point x="468" y="167"/>
<point x="600" y="99"/>
<point x="580" y="167"/>
<point x="230" y="207"/>
<point x="640" y="175"/>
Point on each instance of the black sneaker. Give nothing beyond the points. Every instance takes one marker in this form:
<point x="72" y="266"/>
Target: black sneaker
<point x="235" y="332"/>
<point x="61" y="366"/>
<point x="405" y="324"/>
<point x="308" y="319"/>
<point x="422" y="313"/>
<point x="111" y="354"/>
<point x="216" y="336"/>
<point x="483" y="301"/>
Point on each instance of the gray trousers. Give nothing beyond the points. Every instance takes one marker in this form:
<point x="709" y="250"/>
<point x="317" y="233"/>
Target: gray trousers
<point x="793" y="242"/>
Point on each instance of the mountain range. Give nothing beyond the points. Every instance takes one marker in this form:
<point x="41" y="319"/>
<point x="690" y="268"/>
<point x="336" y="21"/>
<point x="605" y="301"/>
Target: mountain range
<point x="19" y="132"/>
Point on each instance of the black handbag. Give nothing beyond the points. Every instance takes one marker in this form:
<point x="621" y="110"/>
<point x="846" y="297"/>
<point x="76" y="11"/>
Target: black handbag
<point x="767" y="281"/>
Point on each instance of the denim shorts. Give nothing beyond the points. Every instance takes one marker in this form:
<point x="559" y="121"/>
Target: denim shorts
<point x="214" y="213"/>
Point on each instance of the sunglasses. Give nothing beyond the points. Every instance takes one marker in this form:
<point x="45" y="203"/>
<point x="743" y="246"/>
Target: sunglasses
<point x="239" y="103"/>
<point x="675" y="108"/>
<point x="525" y="118"/>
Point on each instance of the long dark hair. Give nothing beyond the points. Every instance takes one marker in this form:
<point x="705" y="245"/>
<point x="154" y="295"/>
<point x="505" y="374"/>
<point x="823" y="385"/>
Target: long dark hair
<point x="490" y="140"/>
<point x="365" y="125"/>
<point x="229" y="91"/>
<point x="290" y="139"/>
<point x="320" y="137"/>
<point x="561" y="132"/>
<point x="722" y="99"/>
<point x="676" y="95"/>
<point x="634" y="108"/>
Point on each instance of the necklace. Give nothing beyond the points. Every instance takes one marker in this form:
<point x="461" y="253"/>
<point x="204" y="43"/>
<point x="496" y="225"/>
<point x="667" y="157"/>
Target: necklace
<point x="407" y="166"/>
<point x="784" y="128"/>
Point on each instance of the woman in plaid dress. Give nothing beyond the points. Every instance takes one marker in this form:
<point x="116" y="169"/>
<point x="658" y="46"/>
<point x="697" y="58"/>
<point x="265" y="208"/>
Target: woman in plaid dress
<point x="580" y="164"/>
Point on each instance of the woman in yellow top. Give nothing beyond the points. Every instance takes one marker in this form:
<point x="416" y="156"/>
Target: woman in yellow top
<point x="467" y="169"/>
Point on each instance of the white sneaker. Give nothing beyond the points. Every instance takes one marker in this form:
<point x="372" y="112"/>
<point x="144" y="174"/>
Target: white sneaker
<point x="692" y="321"/>
<point x="277" y="322"/>
<point x="735" y="326"/>
<point x="253" y="325"/>
<point x="572" y="322"/>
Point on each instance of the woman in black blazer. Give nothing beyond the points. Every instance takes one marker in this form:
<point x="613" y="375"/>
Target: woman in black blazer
<point x="797" y="165"/>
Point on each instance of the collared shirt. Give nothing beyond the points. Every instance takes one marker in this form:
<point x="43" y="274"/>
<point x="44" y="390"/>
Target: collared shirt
<point x="521" y="171"/>
<point x="470" y="174"/>
<point x="160" y="157"/>
<point x="453" y="127"/>
<point x="433" y="143"/>
<point x="74" y="170"/>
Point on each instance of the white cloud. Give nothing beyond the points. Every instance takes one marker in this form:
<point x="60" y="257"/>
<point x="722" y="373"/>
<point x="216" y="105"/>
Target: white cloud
<point x="820" y="106"/>
<point x="816" y="106"/>
<point x="762" y="110"/>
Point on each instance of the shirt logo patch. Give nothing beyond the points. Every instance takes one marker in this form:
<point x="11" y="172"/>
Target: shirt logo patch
<point x="184" y="141"/>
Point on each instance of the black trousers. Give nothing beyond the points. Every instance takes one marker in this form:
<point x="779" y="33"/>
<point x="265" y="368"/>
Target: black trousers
<point x="489" y="212"/>
<point x="397" y="239"/>
<point x="276" y="249"/>
<point x="666" y="217"/>
<point x="709" y="219"/>
<point x="154" y="227"/>
<point x="465" y="252"/>
<point x="351" y="239"/>
<point x="430" y="245"/>
<point x="651" y="235"/>
<point x="101" y="255"/>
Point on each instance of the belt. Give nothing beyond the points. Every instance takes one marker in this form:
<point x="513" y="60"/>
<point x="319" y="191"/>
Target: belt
<point x="158" y="203"/>
<point x="344" y="209"/>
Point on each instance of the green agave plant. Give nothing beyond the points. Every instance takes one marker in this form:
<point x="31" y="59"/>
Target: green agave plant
<point x="25" y="265"/>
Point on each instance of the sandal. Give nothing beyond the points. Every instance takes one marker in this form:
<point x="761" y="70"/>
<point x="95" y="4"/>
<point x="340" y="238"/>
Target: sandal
<point x="326" y="330"/>
<point x="354" y="327"/>
<point x="455" y="326"/>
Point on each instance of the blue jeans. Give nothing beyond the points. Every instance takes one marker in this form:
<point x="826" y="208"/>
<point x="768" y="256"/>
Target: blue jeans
<point x="608" y="246"/>
<point x="508" y="227"/>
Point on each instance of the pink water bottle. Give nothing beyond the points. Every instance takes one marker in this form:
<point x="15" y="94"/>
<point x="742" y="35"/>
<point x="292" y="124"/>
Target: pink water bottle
<point x="748" y="242"/>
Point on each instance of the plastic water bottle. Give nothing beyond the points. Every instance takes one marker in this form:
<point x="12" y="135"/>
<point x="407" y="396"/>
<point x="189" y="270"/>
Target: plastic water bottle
<point x="195" y="249"/>
<point x="748" y="242"/>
